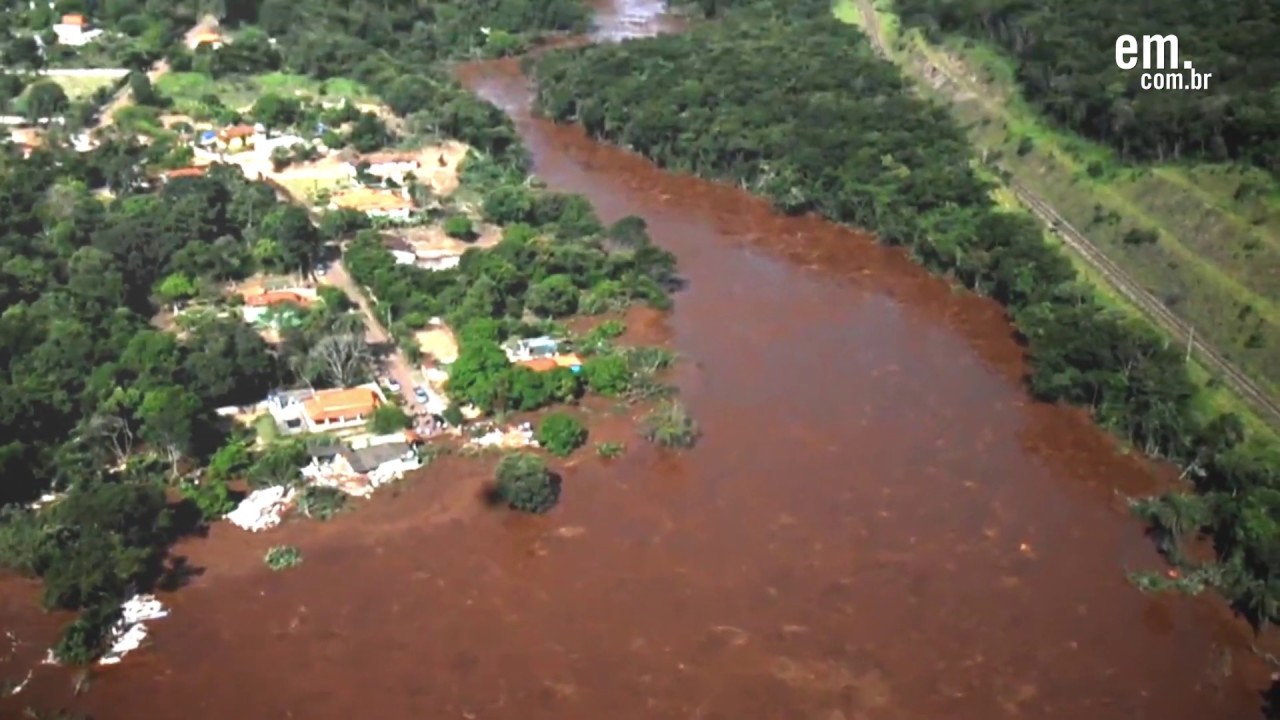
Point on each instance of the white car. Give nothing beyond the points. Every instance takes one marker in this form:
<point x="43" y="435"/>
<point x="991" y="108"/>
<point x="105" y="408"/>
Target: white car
<point x="421" y="394"/>
<point x="392" y="385"/>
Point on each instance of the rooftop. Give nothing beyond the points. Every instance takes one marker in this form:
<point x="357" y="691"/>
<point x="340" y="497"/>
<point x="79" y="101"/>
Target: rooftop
<point x="74" y="19"/>
<point x="539" y="364"/>
<point x="275" y="297"/>
<point x="236" y="131"/>
<point x="185" y="172"/>
<point x="340" y="403"/>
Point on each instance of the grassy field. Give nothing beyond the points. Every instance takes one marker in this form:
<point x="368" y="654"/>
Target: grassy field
<point x="79" y="88"/>
<point x="187" y="88"/>
<point x="1215" y="260"/>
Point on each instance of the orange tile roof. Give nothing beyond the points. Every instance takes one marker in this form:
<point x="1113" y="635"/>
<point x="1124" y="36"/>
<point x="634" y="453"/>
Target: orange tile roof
<point x="541" y="364"/>
<point x="569" y="360"/>
<point x="340" y="403"/>
<point x="186" y="172"/>
<point x="275" y="297"/>
<point x="208" y="36"/>
<point x="236" y="131"/>
<point x="73" y="20"/>
<point x="366" y="199"/>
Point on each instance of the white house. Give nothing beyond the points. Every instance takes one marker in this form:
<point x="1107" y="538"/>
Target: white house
<point x="74" y="30"/>
<point x="325" y="410"/>
<point x="388" y="165"/>
<point x="524" y="349"/>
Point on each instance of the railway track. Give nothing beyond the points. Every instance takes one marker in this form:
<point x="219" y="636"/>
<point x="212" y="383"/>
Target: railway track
<point x="1251" y="392"/>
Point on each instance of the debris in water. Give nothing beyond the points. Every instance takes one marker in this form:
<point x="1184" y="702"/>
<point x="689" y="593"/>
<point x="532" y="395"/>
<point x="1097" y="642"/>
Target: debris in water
<point x="262" y="509"/>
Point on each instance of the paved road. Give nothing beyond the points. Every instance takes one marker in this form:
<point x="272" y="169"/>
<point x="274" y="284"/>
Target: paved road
<point x="1159" y="313"/>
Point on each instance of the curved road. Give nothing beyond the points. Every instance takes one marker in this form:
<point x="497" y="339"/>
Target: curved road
<point x="1251" y="392"/>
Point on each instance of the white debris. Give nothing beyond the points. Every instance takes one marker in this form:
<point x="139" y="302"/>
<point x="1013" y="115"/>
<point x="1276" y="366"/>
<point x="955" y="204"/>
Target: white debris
<point x="129" y="632"/>
<point x="45" y="499"/>
<point x="389" y="471"/>
<point x="513" y="437"/>
<point x="19" y="687"/>
<point x="262" y="509"/>
<point x="337" y="473"/>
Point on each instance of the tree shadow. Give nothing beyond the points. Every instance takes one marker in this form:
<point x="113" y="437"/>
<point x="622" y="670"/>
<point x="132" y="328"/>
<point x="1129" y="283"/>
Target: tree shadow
<point x="177" y="573"/>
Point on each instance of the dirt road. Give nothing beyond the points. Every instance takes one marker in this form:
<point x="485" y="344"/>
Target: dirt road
<point x="1156" y="311"/>
<point x="395" y="364"/>
<point x="124" y="97"/>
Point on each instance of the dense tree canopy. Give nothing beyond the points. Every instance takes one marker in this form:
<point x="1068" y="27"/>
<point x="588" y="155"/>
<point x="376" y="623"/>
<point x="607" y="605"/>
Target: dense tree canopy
<point x="1064" y="52"/>
<point x="760" y="103"/>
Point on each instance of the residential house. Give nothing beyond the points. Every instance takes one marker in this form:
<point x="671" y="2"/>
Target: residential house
<point x="211" y="39"/>
<point x="374" y="203"/>
<point x="258" y="305"/>
<point x="325" y="410"/>
<point x="341" y="409"/>
<point x="547" y="364"/>
<point x="185" y="172"/>
<point x="388" y="165"/>
<point x="75" y="30"/>
<point x="236" y="138"/>
<point x="521" y="349"/>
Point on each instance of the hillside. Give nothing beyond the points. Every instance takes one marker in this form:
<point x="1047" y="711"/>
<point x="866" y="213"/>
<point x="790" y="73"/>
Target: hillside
<point x="1203" y="237"/>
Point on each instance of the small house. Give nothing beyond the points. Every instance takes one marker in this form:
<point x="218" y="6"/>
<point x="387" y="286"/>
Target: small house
<point x="211" y="39"/>
<point x="389" y="165"/>
<point x="75" y="30"/>
<point x="258" y="306"/>
<point x="518" y="350"/>
<point x="547" y="364"/>
<point x="186" y="172"/>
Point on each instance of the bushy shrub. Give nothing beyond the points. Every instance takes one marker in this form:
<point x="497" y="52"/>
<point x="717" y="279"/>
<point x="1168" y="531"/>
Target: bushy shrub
<point x="670" y="426"/>
<point x="283" y="557"/>
<point x="321" y="502"/>
<point x="561" y="434"/>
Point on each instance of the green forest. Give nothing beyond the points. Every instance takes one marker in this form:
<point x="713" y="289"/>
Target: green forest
<point x="93" y="250"/>
<point x="755" y="101"/>
<point x="1065" y="59"/>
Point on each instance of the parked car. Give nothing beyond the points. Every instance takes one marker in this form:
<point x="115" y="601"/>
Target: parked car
<point x="391" y="384"/>
<point x="421" y="394"/>
<point x="320" y="269"/>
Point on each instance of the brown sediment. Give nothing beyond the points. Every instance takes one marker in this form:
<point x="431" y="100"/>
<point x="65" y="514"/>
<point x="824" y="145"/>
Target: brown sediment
<point x="878" y="524"/>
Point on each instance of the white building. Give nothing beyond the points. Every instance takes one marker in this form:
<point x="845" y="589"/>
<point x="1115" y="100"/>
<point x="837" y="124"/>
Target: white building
<point x="74" y="30"/>
<point x="325" y="410"/>
<point x="388" y="165"/>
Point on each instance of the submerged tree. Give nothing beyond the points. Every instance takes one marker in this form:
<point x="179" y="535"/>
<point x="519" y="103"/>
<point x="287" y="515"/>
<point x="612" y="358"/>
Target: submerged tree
<point x="526" y="484"/>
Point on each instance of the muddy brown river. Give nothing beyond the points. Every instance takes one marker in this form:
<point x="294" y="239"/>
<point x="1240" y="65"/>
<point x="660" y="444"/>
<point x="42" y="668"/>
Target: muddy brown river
<point x="878" y="525"/>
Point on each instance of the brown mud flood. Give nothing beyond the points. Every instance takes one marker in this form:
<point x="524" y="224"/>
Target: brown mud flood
<point x="877" y="525"/>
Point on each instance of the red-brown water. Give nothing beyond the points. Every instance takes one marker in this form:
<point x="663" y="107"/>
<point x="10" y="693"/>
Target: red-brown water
<point x="878" y="525"/>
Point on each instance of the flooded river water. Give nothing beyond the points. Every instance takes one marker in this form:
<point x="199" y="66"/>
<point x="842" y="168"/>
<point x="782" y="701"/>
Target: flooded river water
<point x="879" y="524"/>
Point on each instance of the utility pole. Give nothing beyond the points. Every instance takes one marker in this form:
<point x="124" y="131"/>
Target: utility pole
<point x="1190" y="339"/>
